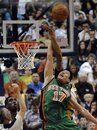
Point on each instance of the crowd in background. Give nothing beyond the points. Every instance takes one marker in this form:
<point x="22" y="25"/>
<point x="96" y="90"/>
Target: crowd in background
<point x="82" y="65"/>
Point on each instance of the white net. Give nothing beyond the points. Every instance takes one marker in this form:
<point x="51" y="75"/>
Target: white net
<point x="26" y="61"/>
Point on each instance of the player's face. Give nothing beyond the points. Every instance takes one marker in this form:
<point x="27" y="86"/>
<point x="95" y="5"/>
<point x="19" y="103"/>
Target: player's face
<point x="64" y="76"/>
<point x="12" y="104"/>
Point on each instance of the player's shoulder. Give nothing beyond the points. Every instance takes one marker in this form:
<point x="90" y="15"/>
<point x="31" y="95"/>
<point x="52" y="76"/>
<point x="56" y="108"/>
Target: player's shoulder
<point x="48" y="81"/>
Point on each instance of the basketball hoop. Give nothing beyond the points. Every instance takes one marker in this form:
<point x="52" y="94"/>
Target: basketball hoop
<point x="26" y="52"/>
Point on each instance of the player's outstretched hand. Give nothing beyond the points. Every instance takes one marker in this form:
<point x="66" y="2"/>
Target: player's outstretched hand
<point x="49" y="29"/>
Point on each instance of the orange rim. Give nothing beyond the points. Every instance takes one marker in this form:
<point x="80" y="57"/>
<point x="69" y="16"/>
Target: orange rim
<point x="22" y="47"/>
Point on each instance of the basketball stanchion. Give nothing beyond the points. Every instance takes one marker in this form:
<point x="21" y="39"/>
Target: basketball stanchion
<point x="26" y="52"/>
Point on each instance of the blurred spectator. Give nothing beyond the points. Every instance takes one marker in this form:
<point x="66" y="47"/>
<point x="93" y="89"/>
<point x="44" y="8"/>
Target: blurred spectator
<point x="8" y="68"/>
<point x="88" y="98"/>
<point x="38" y="12"/>
<point x="37" y="62"/>
<point x="14" y="79"/>
<point x="78" y="11"/>
<point x="82" y="52"/>
<point x="29" y="97"/>
<point x="86" y="5"/>
<point x="93" y="108"/>
<point x="65" y="61"/>
<point x="83" y="87"/>
<point x="81" y="17"/>
<point x="95" y="113"/>
<point x="27" y="76"/>
<point x="92" y="42"/>
<point x="74" y="72"/>
<point x="87" y="67"/>
<point x="95" y="75"/>
<point x="6" y="14"/>
<point x="35" y="85"/>
<point x="95" y="94"/>
<point x="84" y="34"/>
<point x="27" y="37"/>
<point x="28" y="11"/>
<point x="61" y="34"/>
<point x="93" y="14"/>
<point x="32" y="120"/>
<point x="29" y="33"/>
<point x="78" y="25"/>
<point x="83" y="123"/>
<point x="44" y="38"/>
<point x="9" y="33"/>
<point x="91" y="126"/>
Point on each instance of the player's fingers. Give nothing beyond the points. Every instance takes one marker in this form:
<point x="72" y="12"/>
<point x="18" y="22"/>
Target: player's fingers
<point x="46" y="27"/>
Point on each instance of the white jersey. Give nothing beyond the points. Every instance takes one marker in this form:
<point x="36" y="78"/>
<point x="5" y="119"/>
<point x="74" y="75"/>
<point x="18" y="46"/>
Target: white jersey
<point x="16" y="124"/>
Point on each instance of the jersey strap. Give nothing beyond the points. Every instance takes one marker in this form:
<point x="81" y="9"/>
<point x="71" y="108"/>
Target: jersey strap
<point x="10" y="124"/>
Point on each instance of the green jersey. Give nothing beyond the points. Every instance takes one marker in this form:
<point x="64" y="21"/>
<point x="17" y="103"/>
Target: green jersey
<point x="54" y="102"/>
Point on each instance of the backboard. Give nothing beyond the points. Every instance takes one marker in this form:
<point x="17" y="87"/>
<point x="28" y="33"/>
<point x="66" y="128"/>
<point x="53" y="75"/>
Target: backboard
<point x="34" y="29"/>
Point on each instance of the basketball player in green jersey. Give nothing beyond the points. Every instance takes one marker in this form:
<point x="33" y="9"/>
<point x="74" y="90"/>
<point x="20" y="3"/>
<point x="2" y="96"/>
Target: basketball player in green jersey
<point x="59" y="66"/>
<point x="56" y="96"/>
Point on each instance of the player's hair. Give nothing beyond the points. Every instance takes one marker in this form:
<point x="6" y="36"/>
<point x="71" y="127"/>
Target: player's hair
<point x="7" y="99"/>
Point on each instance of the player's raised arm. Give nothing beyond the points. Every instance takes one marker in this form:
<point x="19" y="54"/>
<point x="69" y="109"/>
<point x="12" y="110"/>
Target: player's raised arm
<point x="21" y="101"/>
<point x="48" y="71"/>
<point x="82" y="111"/>
<point x="55" y="46"/>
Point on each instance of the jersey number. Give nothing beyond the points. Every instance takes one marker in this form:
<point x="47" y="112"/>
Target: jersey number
<point x="59" y="96"/>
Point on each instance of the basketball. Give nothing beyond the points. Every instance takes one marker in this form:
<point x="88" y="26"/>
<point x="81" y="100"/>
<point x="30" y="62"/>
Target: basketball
<point x="60" y="12"/>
